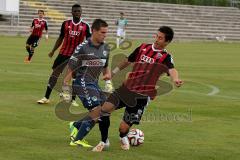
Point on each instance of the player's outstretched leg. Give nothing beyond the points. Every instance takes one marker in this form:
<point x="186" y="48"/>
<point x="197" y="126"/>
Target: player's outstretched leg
<point x="87" y="124"/>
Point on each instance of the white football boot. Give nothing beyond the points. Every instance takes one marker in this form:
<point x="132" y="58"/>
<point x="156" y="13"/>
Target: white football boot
<point x="125" y="143"/>
<point x="44" y="100"/>
<point x="101" y="146"/>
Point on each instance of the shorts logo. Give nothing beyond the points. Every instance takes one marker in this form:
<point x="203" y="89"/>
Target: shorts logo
<point x="94" y="98"/>
<point x="147" y="59"/>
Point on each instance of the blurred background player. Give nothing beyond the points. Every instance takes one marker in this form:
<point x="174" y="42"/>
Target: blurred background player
<point x="150" y="61"/>
<point x="38" y="25"/>
<point x="121" y="29"/>
<point x="73" y="32"/>
<point x="89" y="60"/>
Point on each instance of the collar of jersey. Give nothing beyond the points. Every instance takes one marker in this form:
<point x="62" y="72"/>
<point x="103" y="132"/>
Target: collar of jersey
<point x="158" y="50"/>
<point x="92" y="45"/>
<point x="78" y="22"/>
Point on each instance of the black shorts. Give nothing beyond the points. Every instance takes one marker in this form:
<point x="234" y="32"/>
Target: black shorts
<point x="60" y="62"/>
<point x="33" y="40"/>
<point x="134" y="104"/>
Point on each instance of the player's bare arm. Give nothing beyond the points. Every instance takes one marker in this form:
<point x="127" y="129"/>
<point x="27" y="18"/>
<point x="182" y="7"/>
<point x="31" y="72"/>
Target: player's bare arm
<point x="106" y="74"/>
<point x="174" y="76"/>
<point x="56" y="46"/>
<point x="121" y="66"/>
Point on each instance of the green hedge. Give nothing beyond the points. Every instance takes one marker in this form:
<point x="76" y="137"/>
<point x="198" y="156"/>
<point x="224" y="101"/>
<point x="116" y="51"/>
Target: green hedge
<point x="191" y="2"/>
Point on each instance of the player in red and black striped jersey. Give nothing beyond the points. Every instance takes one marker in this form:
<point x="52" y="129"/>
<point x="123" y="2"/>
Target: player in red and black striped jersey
<point x="38" y="25"/>
<point x="73" y="32"/>
<point x="150" y="61"/>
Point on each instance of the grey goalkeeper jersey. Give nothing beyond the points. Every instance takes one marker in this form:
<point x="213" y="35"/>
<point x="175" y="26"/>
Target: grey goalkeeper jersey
<point x="88" y="61"/>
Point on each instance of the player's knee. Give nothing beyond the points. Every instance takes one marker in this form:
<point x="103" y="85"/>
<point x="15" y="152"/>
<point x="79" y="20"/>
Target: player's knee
<point x="104" y="113"/>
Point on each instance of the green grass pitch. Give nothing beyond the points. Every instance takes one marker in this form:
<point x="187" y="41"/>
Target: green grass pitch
<point x="199" y="121"/>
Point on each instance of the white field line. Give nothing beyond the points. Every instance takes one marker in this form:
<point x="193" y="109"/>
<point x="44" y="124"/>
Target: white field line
<point x="214" y="90"/>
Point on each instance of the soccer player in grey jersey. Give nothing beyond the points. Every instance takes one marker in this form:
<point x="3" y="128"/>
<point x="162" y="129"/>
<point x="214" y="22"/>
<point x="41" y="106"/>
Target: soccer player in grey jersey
<point x="89" y="60"/>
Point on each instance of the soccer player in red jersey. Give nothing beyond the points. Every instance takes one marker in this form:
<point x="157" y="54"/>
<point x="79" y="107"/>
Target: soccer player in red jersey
<point x="73" y="32"/>
<point x="38" y="25"/>
<point x="150" y="61"/>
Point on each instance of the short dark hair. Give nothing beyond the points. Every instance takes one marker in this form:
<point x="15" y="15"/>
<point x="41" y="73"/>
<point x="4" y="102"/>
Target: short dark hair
<point x="168" y="31"/>
<point x="76" y="5"/>
<point x="40" y="10"/>
<point x="98" y="23"/>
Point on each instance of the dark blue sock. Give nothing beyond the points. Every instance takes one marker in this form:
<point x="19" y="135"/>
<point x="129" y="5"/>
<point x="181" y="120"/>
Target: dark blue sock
<point x="86" y="126"/>
<point x="77" y="124"/>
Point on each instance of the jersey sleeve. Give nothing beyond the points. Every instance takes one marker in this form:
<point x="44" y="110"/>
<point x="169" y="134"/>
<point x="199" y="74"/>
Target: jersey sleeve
<point x="62" y="30"/>
<point x="169" y="62"/>
<point x="133" y="56"/>
<point x="75" y="58"/>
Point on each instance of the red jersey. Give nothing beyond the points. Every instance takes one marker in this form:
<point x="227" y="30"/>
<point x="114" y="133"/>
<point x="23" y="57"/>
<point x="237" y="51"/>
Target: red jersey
<point x="38" y="27"/>
<point x="73" y="34"/>
<point x="149" y="65"/>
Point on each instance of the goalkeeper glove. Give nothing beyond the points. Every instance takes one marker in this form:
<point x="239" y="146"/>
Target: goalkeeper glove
<point x="66" y="94"/>
<point x="108" y="86"/>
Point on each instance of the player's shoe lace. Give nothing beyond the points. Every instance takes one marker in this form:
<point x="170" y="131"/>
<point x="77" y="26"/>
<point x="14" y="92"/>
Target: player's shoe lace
<point x="125" y="143"/>
<point x="44" y="100"/>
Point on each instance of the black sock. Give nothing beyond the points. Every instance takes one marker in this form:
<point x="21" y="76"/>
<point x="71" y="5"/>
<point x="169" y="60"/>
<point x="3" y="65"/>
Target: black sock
<point x="30" y="56"/>
<point x="123" y="134"/>
<point x="104" y="124"/>
<point x="48" y="92"/>
<point x="51" y="83"/>
<point x="86" y="126"/>
<point x="28" y="50"/>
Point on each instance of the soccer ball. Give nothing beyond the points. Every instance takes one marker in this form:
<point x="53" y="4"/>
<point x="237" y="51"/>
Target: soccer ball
<point x="135" y="137"/>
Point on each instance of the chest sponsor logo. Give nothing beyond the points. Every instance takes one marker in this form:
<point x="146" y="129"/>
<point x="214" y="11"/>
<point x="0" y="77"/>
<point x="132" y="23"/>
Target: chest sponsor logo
<point x="147" y="59"/>
<point x="74" y="33"/>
